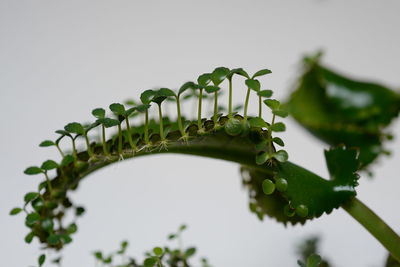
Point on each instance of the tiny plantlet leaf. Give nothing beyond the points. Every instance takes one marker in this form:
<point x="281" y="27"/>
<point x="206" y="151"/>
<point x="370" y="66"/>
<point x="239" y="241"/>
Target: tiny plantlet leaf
<point x="233" y="127"/>
<point x="32" y="218"/>
<point x="41" y="260"/>
<point x="268" y="187"/>
<point x="280" y="113"/>
<point x="211" y="89"/>
<point x="253" y="84"/>
<point x="204" y="79"/>
<point x="75" y="127"/>
<point x="278" y="127"/>
<point x="261" y="73"/>
<point x="273" y="104"/>
<point x="30" y="196"/>
<point x="118" y="109"/>
<point x="219" y="75"/>
<point x="157" y="251"/>
<point x="262" y="158"/>
<point x="15" y="211"/>
<point x="186" y="86"/>
<point x="33" y="170"/>
<point x="68" y="159"/>
<point x="278" y="141"/>
<point x="281" y="156"/>
<point x="47" y="143"/>
<point x="281" y="184"/>
<point x="313" y="260"/>
<point x="99" y="113"/>
<point x="265" y="93"/>
<point x="241" y="72"/>
<point x="258" y="122"/>
<point x="49" y="165"/>
<point x="107" y="122"/>
<point x="166" y="92"/>
<point x="147" y="96"/>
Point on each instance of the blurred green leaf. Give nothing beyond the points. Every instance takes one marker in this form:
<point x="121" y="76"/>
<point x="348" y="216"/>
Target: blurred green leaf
<point x="33" y="170"/>
<point x="261" y="73"/>
<point x="47" y="143"/>
<point x="75" y="127"/>
<point x="99" y="113"/>
<point x="253" y="84"/>
<point x="49" y="165"/>
<point x="265" y="93"/>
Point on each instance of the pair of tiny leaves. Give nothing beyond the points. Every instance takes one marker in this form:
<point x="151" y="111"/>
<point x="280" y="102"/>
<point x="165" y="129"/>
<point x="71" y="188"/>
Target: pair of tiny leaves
<point x="268" y="186"/>
<point x="260" y="123"/>
<point x="280" y="155"/>
<point x="46" y="166"/>
<point x="313" y="260"/>
<point x="276" y="108"/>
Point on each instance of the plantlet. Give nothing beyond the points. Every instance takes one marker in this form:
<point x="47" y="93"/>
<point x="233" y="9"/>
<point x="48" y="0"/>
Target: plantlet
<point x="277" y="188"/>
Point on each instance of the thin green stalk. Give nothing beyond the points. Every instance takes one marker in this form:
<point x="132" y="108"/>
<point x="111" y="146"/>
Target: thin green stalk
<point x="128" y="129"/>
<point x="375" y="225"/>
<point x="146" y="127"/>
<point x="199" y="109"/>
<point x="246" y="103"/>
<point x="74" y="148"/>
<point x="59" y="150"/>
<point x="89" y="149"/>
<point x="103" y="131"/>
<point x="230" y="98"/>
<point x="178" y="108"/>
<point x="119" y="139"/>
<point x="259" y="107"/>
<point x="48" y="182"/>
<point x="161" y="122"/>
<point x="270" y="136"/>
<point x="215" y="108"/>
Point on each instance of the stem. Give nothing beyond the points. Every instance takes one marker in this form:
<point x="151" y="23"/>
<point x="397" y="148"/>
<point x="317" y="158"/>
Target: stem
<point x="146" y="127"/>
<point x="89" y="150"/>
<point x="48" y="182"/>
<point x="215" y="107"/>
<point x="270" y="136"/>
<point x="178" y="108"/>
<point x="246" y="103"/>
<point x="161" y="122"/>
<point x="119" y="139"/>
<point x="199" y="109"/>
<point x="128" y="129"/>
<point x="259" y="107"/>
<point x="375" y="225"/>
<point x="103" y="130"/>
<point x="59" y="150"/>
<point x="74" y="148"/>
<point x="230" y="98"/>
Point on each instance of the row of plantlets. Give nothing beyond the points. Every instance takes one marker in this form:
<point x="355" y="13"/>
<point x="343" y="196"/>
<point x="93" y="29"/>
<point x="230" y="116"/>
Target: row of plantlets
<point x="278" y="188"/>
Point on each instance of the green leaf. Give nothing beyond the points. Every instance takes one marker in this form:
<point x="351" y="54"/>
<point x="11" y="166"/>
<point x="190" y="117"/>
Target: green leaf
<point x="33" y="170"/>
<point x="99" y="113"/>
<point x="30" y="196"/>
<point x="281" y="184"/>
<point x="68" y="159"/>
<point x="253" y="84"/>
<point x="261" y="73"/>
<point x="15" y="211"/>
<point x="142" y="108"/>
<point x="262" y="158"/>
<point x="301" y="264"/>
<point x="241" y="72"/>
<point x="118" y="109"/>
<point x="278" y="127"/>
<point x="183" y="227"/>
<point x="166" y="92"/>
<point x="41" y="260"/>
<point x="204" y="79"/>
<point x="75" y="127"/>
<point x="343" y="164"/>
<point x="233" y="127"/>
<point x="313" y="260"/>
<point x="211" y="89"/>
<point x="53" y="239"/>
<point x="268" y="187"/>
<point x="63" y="133"/>
<point x="107" y="122"/>
<point x="47" y="224"/>
<point x="47" y="143"/>
<point x="281" y="156"/>
<point x="280" y="113"/>
<point x="147" y="96"/>
<point x="49" y="165"/>
<point x="98" y="255"/>
<point x="29" y="237"/>
<point x="219" y="75"/>
<point x="273" y="104"/>
<point x="257" y="122"/>
<point x="265" y="93"/>
<point x="186" y="86"/>
<point x="278" y="141"/>
<point x="190" y="252"/>
<point x="72" y="228"/>
<point x="150" y="262"/>
<point x="158" y="251"/>
<point x="32" y="218"/>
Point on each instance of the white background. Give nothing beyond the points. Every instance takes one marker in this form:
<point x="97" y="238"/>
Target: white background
<point x="60" y="59"/>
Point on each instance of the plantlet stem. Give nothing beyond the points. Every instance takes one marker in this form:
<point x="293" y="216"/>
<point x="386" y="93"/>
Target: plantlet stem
<point x="259" y="106"/>
<point x="375" y="225"/>
<point x="48" y="182"/>
<point x="103" y="131"/>
<point x="199" y="109"/>
<point x="74" y="148"/>
<point x="178" y="108"/>
<point x="128" y="129"/>
<point x="89" y="150"/>
<point x="161" y="122"/>
<point x="215" y="108"/>
<point x="59" y="150"/>
<point x="230" y="98"/>
<point x="246" y="103"/>
<point x="146" y="127"/>
<point x="270" y="136"/>
<point x="119" y="139"/>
